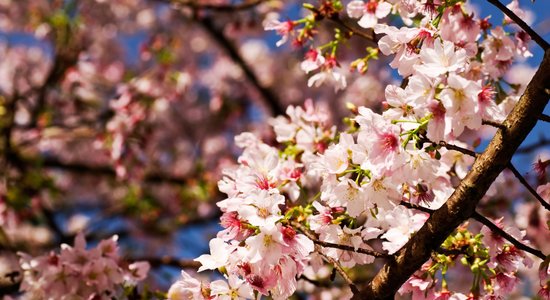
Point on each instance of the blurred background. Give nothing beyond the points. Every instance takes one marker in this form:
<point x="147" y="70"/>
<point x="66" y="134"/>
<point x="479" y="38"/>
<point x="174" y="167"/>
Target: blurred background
<point x="118" y="117"/>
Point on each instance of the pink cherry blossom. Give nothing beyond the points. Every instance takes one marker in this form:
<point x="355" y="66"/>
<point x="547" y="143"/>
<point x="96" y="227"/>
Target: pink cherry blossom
<point x="369" y="13"/>
<point x="284" y="29"/>
<point x="187" y="288"/>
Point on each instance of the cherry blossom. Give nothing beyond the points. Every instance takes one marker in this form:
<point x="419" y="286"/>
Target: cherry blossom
<point x="369" y="13"/>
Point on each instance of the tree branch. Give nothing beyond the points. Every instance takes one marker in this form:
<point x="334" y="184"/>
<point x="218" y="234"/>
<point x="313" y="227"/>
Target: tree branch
<point x="535" y="36"/>
<point x="312" y="236"/>
<point x="494" y="228"/>
<point x="271" y="99"/>
<point x="368" y="35"/>
<point x="328" y="259"/>
<point x="528" y="186"/>
<point x="65" y="58"/>
<point x="492" y="123"/>
<point x="417" y="207"/>
<point x="544" y="118"/>
<point x="227" y="8"/>
<point x="82" y="168"/>
<point x="462" y="203"/>
<point x="527" y="149"/>
<point x="315" y="282"/>
<point x="168" y="261"/>
<point x="356" y="30"/>
<point x="458" y="148"/>
<point x="338" y="269"/>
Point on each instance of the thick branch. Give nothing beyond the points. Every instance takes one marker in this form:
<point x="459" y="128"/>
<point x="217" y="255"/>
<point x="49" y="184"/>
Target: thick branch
<point x="544" y="118"/>
<point x="535" y="36"/>
<point x="462" y="203"/>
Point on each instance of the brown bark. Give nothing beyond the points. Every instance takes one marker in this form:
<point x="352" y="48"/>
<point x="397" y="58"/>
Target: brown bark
<point x="462" y="203"/>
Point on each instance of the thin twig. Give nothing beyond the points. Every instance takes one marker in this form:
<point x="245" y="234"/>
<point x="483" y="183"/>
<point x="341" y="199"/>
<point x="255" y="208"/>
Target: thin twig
<point x="444" y="251"/>
<point x="168" y="261"/>
<point x="528" y="186"/>
<point x="528" y="149"/>
<point x="483" y="220"/>
<point x="417" y="207"/>
<point x="271" y="99"/>
<point x="64" y="59"/>
<point x="494" y="228"/>
<point x="369" y="36"/>
<point x="535" y="36"/>
<point x="458" y="148"/>
<point x="49" y="217"/>
<point x="350" y="248"/>
<point x="451" y="147"/>
<point x="510" y="166"/>
<point x="545" y="118"/>
<point x="493" y="123"/>
<point x="328" y="259"/>
<point x="82" y="168"/>
<point x="315" y="240"/>
<point x="338" y="269"/>
<point x="349" y="26"/>
<point x="315" y="282"/>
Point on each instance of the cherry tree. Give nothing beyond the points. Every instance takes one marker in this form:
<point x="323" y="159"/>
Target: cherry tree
<point x="347" y="149"/>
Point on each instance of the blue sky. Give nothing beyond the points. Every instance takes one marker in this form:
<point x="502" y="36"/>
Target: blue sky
<point x="541" y="24"/>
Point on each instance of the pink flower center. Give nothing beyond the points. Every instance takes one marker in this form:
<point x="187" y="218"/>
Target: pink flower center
<point x="331" y="62"/>
<point x="321" y="146"/>
<point x="256" y="281"/>
<point x="438" y="110"/>
<point x="288" y="234"/>
<point x="53" y="260"/>
<point x="263" y="183"/>
<point x="429" y="8"/>
<point x="295" y="174"/>
<point x="371" y="6"/>
<point x="468" y="22"/>
<point x="287" y="27"/>
<point x="486" y="94"/>
<point x="311" y="55"/>
<point x="228" y="220"/>
<point x="389" y="142"/>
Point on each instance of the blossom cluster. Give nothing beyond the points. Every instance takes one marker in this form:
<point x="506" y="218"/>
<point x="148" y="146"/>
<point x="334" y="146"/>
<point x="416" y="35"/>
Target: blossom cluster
<point x="366" y="174"/>
<point x="258" y="247"/>
<point x="80" y="273"/>
<point x="259" y="243"/>
<point x="492" y="260"/>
